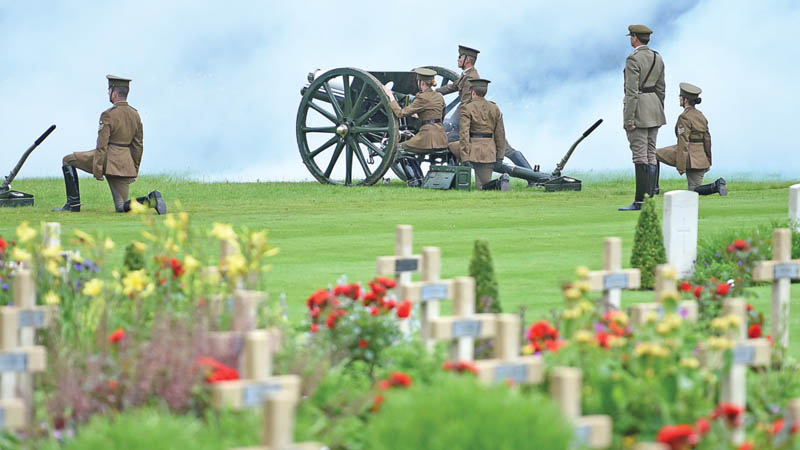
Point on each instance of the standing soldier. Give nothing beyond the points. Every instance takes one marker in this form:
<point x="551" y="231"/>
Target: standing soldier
<point x="643" y="111"/>
<point x="117" y="155"/>
<point x="692" y="155"/>
<point x="429" y="107"/>
<point x="481" y="137"/>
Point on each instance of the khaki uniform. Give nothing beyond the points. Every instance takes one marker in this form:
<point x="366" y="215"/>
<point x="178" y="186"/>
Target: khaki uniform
<point x="461" y="85"/>
<point x="480" y="117"/>
<point x="428" y="105"/>
<point x="118" y="152"/>
<point x="692" y="154"/>
<point x="643" y="105"/>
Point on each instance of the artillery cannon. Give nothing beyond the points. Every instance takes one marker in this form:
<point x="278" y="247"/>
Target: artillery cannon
<point x="9" y="197"/>
<point x="345" y="110"/>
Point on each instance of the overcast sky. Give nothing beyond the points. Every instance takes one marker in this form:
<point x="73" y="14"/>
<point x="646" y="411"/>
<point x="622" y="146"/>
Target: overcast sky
<point x="218" y="83"/>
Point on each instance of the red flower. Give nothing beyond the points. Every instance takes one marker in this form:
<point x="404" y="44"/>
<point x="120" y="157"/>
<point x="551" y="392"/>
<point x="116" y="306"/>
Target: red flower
<point x="315" y="312"/>
<point x="702" y="425"/>
<point x="745" y="446"/>
<point x="404" y="309"/>
<point x="777" y="426"/>
<point x="355" y="291"/>
<point x="314" y="328"/>
<point x="369" y="297"/>
<point x="739" y="244"/>
<point x="553" y="346"/>
<point x="723" y="288"/>
<point x="319" y="298"/>
<point x="754" y="331"/>
<point x="362" y="343"/>
<point x="541" y="330"/>
<point x="749" y="307"/>
<point x="374" y="311"/>
<point x="731" y="412"/>
<point x="686" y="286"/>
<point x="113" y="385"/>
<point x="219" y="371"/>
<point x="389" y="303"/>
<point x="376" y="403"/>
<point x="377" y="288"/>
<point x="384" y="385"/>
<point x="731" y="248"/>
<point x="341" y="289"/>
<point x="602" y="338"/>
<point x="331" y="321"/>
<point x="467" y="366"/>
<point x="400" y="379"/>
<point x="3" y="245"/>
<point x="116" y="336"/>
<point x="677" y="436"/>
<point x="795" y="428"/>
<point x="447" y="366"/>
<point x="177" y="267"/>
<point x="697" y="291"/>
<point x="388" y="283"/>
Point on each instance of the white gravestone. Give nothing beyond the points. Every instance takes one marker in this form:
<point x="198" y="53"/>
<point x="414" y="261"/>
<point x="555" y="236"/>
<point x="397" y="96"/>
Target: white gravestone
<point x="680" y="230"/>
<point x="794" y="206"/>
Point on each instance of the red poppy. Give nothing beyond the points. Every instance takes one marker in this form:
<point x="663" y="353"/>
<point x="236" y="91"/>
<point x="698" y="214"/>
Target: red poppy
<point x="754" y="331"/>
<point x="116" y="336"/>
<point x="314" y="328"/>
<point x="686" y="286"/>
<point x="362" y="343"/>
<point x="676" y="436"/>
<point x="745" y="446"/>
<point x="400" y="379"/>
<point x="731" y="412"/>
<point x="776" y="427"/>
<point x="404" y="309"/>
<point x="740" y="244"/>
<point x="702" y="425"/>
<point x="177" y="267"/>
<point x="376" y="403"/>
<point x="3" y="245"/>
<point x="374" y="311"/>
<point x="723" y="288"/>
<point x="388" y="283"/>
<point x="697" y="291"/>
<point x="769" y="338"/>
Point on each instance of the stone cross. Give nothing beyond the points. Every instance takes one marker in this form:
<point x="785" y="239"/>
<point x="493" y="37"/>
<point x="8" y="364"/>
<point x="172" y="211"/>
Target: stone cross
<point x="51" y="235"/>
<point x="780" y="270"/>
<point x="680" y="230"/>
<point x="403" y="263"/>
<point x="464" y="326"/>
<point x="257" y="382"/>
<point x="665" y="285"/>
<point x="565" y="388"/>
<point x="15" y="360"/>
<point x="429" y="291"/>
<point x="794" y="206"/>
<point x="613" y="278"/>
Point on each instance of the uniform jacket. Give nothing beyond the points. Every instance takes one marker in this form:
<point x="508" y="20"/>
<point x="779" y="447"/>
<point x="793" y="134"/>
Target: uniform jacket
<point x="119" y="142"/>
<point x="428" y="105"/>
<point x="481" y="116"/>
<point x="461" y="85"/>
<point x="694" y="142"/>
<point x="644" y="109"/>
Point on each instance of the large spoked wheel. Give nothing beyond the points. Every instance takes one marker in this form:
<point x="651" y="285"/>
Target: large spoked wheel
<point x="345" y="111"/>
<point x="443" y="76"/>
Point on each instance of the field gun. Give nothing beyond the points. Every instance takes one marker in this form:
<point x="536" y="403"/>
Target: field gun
<point x="9" y="197"/>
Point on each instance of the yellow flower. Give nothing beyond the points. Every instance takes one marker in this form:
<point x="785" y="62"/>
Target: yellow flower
<point x="149" y="289"/>
<point x="527" y="349"/>
<point x="93" y="288"/>
<point x="690" y="363"/>
<point x="25" y="233"/>
<point x="734" y="321"/>
<point x="53" y="268"/>
<point x="52" y="252"/>
<point x="583" y="286"/>
<point x="184" y="217"/>
<point x="84" y="237"/>
<point x="572" y="293"/>
<point x="616" y="341"/>
<point x="272" y="252"/>
<point x="149" y="236"/>
<point x="572" y="313"/>
<point x="139" y="247"/>
<point x="669" y="273"/>
<point x="236" y="264"/>
<point x="584" y="336"/>
<point x="586" y="307"/>
<point x="582" y="272"/>
<point x="663" y="328"/>
<point x="108" y="244"/>
<point x="76" y="257"/>
<point x="718" y="323"/>
<point x="20" y="255"/>
<point x="223" y="232"/>
<point x="134" y="282"/>
<point x="182" y="236"/>
<point x="258" y="239"/>
<point x="170" y="222"/>
<point x="51" y="298"/>
<point x="651" y="317"/>
<point x="619" y="317"/>
<point x="115" y="274"/>
<point x="137" y="208"/>
<point x="720" y="343"/>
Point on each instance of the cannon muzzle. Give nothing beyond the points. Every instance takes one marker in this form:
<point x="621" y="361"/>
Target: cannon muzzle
<point x="14" y="198"/>
<point x="563" y="162"/>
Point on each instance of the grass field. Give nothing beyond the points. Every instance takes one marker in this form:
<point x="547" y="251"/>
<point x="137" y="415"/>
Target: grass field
<point x="537" y="239"/>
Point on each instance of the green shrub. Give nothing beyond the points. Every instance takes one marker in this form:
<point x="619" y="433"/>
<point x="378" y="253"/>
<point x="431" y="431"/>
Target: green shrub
<point x="134" y="259"/>
<point x="648" y="244"/>
<point x="487" y="294"/>
<point x="458" y="412"/>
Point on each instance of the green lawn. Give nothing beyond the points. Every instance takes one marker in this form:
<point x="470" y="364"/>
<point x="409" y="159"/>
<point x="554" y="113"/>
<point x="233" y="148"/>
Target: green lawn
<point x="536" y="238"/>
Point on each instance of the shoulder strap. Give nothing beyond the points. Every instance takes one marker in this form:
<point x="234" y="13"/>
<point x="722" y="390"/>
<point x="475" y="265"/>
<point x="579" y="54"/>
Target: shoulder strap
<point x="655" y="56"/>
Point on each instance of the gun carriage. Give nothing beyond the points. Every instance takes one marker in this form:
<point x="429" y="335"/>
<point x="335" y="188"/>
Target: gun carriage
<point x="10" y="197"/>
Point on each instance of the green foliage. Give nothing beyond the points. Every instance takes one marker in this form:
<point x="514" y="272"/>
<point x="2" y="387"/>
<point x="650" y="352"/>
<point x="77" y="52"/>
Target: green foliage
<point x="487" y="294"/>
<point x="458" y="412"/>
<point x="648" y="244"/>
<point x="134" y="260"/>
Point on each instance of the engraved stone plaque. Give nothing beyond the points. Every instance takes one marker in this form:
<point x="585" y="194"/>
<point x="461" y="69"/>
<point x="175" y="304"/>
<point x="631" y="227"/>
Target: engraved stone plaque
<point x="31" y="318"/>
<point x="255" y="394"/>
<point x="615" y="281"/>
<point x="518" y="373"/>
<point x="466" y="328"/>
<point x="406" y="265"/>
<point x="784" y="271"/>
<point x="13" y="362"/>
<point x="433" y="292"/>
<point x="744" y="355"/>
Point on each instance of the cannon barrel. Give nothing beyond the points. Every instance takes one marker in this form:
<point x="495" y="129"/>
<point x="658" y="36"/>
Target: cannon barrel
<point x="560" y="165"/>
<point x="521" y="172"/>
<point x="7" y="184"/>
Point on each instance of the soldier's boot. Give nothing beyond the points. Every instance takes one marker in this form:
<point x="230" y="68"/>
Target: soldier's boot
<point x="641" y="186"/>
<point x="657" y="189"/>
<point x="153" y="200"/>
<point x="652" y="180"/>
<point x="413" y="171"/>
<point x="499" y="184"/>
<point x="519" y="160"/>
<point x="73" y="190"/>
<point x="717" y="187"/>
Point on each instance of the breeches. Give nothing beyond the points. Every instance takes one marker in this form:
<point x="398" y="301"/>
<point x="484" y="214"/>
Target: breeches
<point x="643" y="145"/>
<point x="120" y="186"/>
<point x="695" y="177"/>
<point x="483" y="173"/>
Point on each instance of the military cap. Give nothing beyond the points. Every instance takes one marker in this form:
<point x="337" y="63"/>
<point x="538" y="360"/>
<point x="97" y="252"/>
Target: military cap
<point x="425" y="74"/>
<point x="690" y="91"/>
<point x="114" y="81"/>
<point x="638" y="29"/>
<point x="479" y="82"/>
<point x="462" y="50"/>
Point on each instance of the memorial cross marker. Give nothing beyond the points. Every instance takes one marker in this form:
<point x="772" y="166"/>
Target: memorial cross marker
<point x="402" y="264"/>
<point x="680" y="230"/>
<point x="665" y="286"/>
<point x="429" y="291"/>
<point x="278" y="425"/>
<point x="780" y="270"/>
<point x="592" y="431"/>
<point x="613" y="278"/>
<point x="15" y="360"/>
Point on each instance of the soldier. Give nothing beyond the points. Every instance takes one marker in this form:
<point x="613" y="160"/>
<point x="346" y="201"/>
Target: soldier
<point x="429" y="107"/>
<point x="481" y="137"/>
<point x="466" y="61"/>
<point x="692" y="155"/>
<point x="643" y="111"/>
<point x="117" y="155"/>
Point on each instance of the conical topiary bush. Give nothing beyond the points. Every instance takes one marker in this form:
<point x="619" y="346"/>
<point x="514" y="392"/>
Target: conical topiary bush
<point x="481" y="268"/>
<point x="648" y="244"/>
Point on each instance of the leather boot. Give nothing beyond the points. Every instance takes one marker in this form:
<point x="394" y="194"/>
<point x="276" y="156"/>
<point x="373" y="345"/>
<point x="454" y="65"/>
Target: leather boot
<point x="519" y="160"/>
<point x="652" y="180"/>
<point x="641" y="185"/>
<point x="657" y="189"/>
<point x="498" y="184"/>
<point x="717" y="187"/>
<point x="73" y="191"/>
<point x="413" y="171"/>
<point x="153" y="200"/>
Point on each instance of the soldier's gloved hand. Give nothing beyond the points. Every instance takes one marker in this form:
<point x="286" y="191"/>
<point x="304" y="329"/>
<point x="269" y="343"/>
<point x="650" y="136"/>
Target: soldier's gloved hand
<point x="630" y="127"/>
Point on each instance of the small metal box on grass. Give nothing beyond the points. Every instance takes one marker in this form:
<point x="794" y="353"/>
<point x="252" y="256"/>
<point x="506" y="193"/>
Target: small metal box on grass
<point x="448" y="177"/>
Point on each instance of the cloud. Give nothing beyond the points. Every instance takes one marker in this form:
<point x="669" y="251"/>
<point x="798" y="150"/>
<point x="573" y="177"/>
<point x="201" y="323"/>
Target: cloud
<point x="217" y="84"/>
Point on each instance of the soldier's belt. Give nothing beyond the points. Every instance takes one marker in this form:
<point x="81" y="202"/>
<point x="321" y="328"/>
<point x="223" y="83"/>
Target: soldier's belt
<point x="119" y="145"/>
<point x="481" y="135"/>
<point x="427" y="122"/>
<point x="648" y="90"/>
<point x="696" y="140"/>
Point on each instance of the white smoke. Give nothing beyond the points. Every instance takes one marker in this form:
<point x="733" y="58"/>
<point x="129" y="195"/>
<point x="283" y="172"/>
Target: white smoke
<point x="218" y="84"/>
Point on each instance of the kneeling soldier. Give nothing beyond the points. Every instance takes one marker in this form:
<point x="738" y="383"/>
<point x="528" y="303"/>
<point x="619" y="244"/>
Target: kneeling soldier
<point x="117" y="155"/>
<point x="692" y="155"/>
<point x="481" y="137"/>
